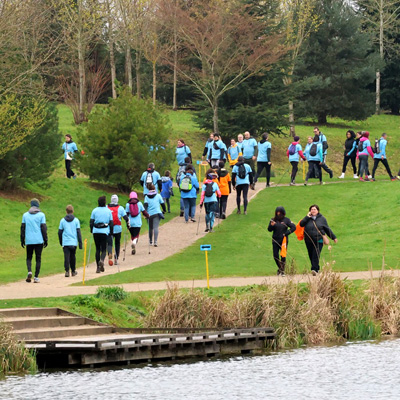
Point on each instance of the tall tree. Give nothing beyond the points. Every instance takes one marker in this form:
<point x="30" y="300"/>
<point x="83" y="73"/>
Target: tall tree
<point x="337" y="66"/>
<point x="224" y="45"/>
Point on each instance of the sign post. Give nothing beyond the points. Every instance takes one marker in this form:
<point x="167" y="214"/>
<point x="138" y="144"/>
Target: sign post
<point x="206" y="248"/>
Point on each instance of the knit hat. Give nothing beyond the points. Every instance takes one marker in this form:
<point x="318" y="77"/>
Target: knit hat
<point x="35" y="203"/>
<point x="133" y="195"/>
<point x="365" y="134"/>
<point x="114" y="199"/>
<point x="296" y="138"/>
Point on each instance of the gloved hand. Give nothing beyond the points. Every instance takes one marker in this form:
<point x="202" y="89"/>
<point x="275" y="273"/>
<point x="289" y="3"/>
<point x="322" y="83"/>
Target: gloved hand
<point x="201" y="205"/>
<point x="45" y="244"/>
<point x="80" y="246"/>
<point x="23" y="245"/>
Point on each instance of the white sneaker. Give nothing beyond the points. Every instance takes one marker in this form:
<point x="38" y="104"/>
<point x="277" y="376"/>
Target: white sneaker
<point x="341" y="176"/>
<point x="369" y="176"/>
<point x="355" y="176"/>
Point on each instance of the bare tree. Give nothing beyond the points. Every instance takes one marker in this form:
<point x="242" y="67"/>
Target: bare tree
<point x="110" y="17"/>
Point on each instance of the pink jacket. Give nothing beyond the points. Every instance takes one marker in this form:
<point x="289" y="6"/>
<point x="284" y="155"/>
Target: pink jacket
<point x="368" y="148"/>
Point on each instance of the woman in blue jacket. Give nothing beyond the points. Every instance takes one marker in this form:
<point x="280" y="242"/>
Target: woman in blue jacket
<point x="152" y="203"/>
<point x="264" y="158"/>
<point x="315" y="158"/>
<point x="69" y="148"/>
<point x="189" y="194"/>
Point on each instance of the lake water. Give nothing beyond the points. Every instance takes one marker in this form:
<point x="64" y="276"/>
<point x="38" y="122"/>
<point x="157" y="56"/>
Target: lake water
<point x="363" y="370"/>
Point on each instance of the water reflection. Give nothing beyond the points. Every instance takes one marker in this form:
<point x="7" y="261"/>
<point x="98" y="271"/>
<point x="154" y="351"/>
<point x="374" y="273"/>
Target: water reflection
<point x="364" y="370"/>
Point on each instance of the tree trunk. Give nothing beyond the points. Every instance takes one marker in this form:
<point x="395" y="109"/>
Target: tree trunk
<point x="112" y="66"/>
<point x="322" y="119"/>
<point x="291" y="119"/>
<point x="174" y="105"/>
<point x="378" y="93"/>
<point x="82" y="82"/>
<point x="215" y="117"/>
<point x="138" y="80"/>
<point x="154" y="83"/>
<point x="128" y="67"/>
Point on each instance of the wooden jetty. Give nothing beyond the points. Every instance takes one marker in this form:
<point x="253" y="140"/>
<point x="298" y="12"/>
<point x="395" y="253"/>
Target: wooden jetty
<point x="63" y="339"/>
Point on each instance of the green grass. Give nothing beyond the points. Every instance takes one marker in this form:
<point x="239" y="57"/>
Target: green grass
<point x="362" y="216"/>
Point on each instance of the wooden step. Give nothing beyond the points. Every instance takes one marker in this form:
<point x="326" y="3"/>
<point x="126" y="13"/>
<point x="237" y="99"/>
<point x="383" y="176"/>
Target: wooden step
<point x="46" y="322"/>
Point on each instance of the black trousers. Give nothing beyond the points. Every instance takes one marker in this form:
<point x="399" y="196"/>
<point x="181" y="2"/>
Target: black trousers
<point x="276" y="248"/>
<point x="37" y="249"/>
<point x="314" y="253"/>
<point x="239" y="190"/>
<point x="70" y="173"/>
<point x="314" y="171"/>
<point x="117" y="239"/>
<point x="134" y="231"/>
<point x="384" y="162"/>
<point x="250" y="161"/>
<point x="260" y="166"/>
<point x="69" y="258"/>
<point x="353" y="163"/>
<point x="295" y="168"/>
<point x="100" y="240"/>
<point x="223" y="202"/>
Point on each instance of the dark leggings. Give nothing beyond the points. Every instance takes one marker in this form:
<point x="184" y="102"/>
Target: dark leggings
<point x="223" y="202"/>
<point x="70" y="173"/>
<point x="239" y="190"/>
<point x="37" y="248"/>
<point x="166" y="201"/>
<point x="69" y="258"/>
<point x="260" y="166"/>
<point x="314" y="253"/>
<point x="384" y="162"/>
<point x="117" y="237"/>
<point x="276" y="248"/>
<point x="363" y="165"/>
<point x="100" y="240"/>
<point x="154" y="223"/>
<point x="295" y="167"/>
<point x="353" y="164"/>
<point x="134" y="231"/>
<point x="314" y="170"/>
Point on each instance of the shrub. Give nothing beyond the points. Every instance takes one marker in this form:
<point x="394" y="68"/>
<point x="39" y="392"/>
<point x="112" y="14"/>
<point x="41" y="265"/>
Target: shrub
<point x="111" y="293"/>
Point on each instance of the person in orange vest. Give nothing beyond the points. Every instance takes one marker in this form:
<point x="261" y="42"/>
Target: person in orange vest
<point x="282" y="227"/>
<point x="225" y="186"/>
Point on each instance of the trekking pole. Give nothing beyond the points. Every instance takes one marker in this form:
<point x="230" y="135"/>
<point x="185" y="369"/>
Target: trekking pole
<point x="149" y="235"/>
<point x="87" y="262"/>
<point x="282" y="176"/>
<point x="124" y="247"/>
<point x="198" y="223"/>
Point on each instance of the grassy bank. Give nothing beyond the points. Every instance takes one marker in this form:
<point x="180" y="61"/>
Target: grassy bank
<point x="242" y="245"/>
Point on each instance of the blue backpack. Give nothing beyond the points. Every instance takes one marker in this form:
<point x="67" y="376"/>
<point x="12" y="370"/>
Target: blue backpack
<point x="292" y="149"/>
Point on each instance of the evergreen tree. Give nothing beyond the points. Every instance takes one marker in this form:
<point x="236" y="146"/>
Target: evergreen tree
<point x="337" y="66"/>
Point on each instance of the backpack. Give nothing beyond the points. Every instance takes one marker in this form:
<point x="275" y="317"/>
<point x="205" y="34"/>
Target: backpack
<point x="185" y="184"/>
<point x="324" y="146"/>
<point x="377" y="148"/>
<point x="181" y="171"/>
<point x="360" y="146"/>
<point x="313" y="150"/>
<point x="209" y="189"/>
<point x="242" y="171"/>
<point x="292" y="149"/>
<point x="149" y="179"/>
<point x="114" y="212"/>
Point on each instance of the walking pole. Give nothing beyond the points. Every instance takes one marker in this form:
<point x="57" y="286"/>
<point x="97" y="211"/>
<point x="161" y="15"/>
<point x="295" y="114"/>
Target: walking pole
<point x="87" y="262"/>
<point x="282" y="176"/>
<point x="124" y="247"/>
<point x="149" y="235"/>
<point x="198" y="223"/>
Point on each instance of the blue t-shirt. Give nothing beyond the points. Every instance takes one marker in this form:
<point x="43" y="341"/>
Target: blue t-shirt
<point x="318" y="156"/>
<point x="33" y="233"/>
<point x="121" y="214"/>
<point x="262" y="151"/>
<point x="193" y="193"/>
<point x="217" y="150"/>
<point x="212" y="198"/>
<point x="382" y="149"/>
<point x="135" y="222"/>
<point x="69" y="235"/>
<point x="155" y="176"/>
<point x="246" y="179"/>
<point x="181" y="154"/>
<point x="234" y="152"/>
<point x="249" y="147"/>
<point x="153" y="204"/>
<point x="101" y="215"/>
<point x="69" y="149"/>
<point x="295" y="156"/>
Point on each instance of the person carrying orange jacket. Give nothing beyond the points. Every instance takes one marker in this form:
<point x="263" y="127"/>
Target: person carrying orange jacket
<point x="225" y="186"/>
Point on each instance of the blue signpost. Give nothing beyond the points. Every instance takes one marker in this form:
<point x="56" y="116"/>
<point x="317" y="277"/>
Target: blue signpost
<point x="206" y="248"/>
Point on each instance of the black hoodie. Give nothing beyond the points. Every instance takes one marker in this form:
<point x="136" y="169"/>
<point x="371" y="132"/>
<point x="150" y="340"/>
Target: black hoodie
<point x="348" y="145"/>
<point x="315" y="228"/>
<point x="283" y="226"/>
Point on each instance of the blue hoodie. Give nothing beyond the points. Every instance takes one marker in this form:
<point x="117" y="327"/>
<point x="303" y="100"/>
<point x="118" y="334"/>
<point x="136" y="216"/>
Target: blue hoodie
<point x="263" y="152"/>
<point x="298" y="150"/>
<point x="69" y="226"/>
<point x="153" y="202"/>
<point x="70" y="148"/>
<point x="166" y="186"/>
<point x="319" y="156"/>
<point x="155" y="177"/>
<point x="246" y="179"/>
<point x="193" y="193"/>
<point x="217" y="153"/>
<point x="135" y="222"/>
<point x="33" y="219"/>
<point x="322" y="138"/>
<point x="382" y="148"/>
<point x="181" y="154"/>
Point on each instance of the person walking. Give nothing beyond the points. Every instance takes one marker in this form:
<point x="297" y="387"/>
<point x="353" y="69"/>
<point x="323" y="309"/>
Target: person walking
<point x="167" y="190"/>
<point x="189" y="186"/>
<point x="234" y="151"/>
<point x="282" y="227"/>
<point x="380" y="156"/>
<point x="69" y="235"/>
<point x="34" y="238"/>
<point x="153" y="203"/>
<point x="354" y="152"/>
<point x="249" y="150"/>
<point x="324" y="143"/>
<point x="316" y="234"/>
<point x="314" y="155"/>
<point x="350" y="154"/>
<point x="242" y="178"/>
<point x="294" y="152"/>
<point x="151" y="177"/>
<point x="225" y="186"/>
<point x="101" y="225"/>
<point x="118" y="212"/>
<point x="207" y="146"/>
<point x="364" y="148"/>
<point x="216" y="152"/>
<point x="69" y="148"/>
<point x="134" y="208"/>
<point x="209" y="193"/>
<point x="240" y="142"/>
<point x="182" y="151"/>
<point x="264" y="159"/>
